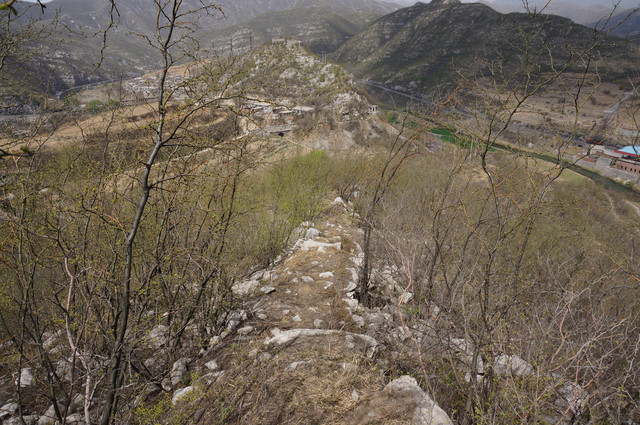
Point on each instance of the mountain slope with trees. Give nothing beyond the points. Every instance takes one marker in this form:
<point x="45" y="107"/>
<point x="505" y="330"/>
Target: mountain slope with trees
<point x="96" y="42"/>
<point x="322" y="29"/>
<point x="245" y="239"/>
<point x="579" y="13"/>
<point x="428" y="47"/>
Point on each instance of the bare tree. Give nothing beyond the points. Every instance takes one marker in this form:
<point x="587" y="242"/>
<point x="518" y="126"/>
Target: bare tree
<point x="97" y="237"/>
<point x="469" y="248"/>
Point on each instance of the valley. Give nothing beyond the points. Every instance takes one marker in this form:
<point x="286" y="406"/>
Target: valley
<point x="296" y="211"/>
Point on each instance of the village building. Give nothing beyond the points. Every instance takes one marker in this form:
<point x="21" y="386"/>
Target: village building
<point x="303" y="110"/>
<point x="630" y="159"/>
<point x="258" y="108"/>
<point x="605" y="152"/>
<point x="291" y="44"/>
<point x="629" y="151"/>
<point x="628" y="166"/>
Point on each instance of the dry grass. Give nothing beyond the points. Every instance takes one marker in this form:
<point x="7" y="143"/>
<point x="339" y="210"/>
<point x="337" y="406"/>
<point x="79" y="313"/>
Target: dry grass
<point x="254" y="392"/>
<point x="260" y="386"/>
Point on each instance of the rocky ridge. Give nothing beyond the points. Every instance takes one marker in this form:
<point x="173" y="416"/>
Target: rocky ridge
<point x="314" y="349"/>
<point x="299" y="348"/>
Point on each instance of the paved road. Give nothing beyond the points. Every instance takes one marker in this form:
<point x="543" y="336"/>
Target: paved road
<point x="615" y="107"/>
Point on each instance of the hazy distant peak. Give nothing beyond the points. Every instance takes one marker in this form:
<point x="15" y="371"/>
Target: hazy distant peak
<point x="444" y="2"/>
<point x="583" y="12"/>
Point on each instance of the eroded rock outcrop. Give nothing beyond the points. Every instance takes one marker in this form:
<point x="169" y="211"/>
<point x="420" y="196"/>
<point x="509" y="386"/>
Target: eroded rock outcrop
<point x="401" y="400"/>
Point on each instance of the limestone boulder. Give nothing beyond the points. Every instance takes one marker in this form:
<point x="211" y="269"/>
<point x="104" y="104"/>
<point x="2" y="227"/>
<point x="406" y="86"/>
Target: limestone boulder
<point x="426" y="412"/>
<point x="26" y="377"/>
<point x="179" y="372"/>
<point x="505" y="365"/>
<point x="158" y="336"/>
<point x="7" y="410"/>
<point x="181" y="394"/>
<point x="401" y="401"/>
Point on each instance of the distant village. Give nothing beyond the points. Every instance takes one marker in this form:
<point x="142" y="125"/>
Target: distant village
<point x="621" y="163"/>
<point x="147" y="86"/>
<point x="267" y="110"/>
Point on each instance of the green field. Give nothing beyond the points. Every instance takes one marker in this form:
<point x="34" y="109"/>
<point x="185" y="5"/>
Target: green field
<point x="447" y="136"/>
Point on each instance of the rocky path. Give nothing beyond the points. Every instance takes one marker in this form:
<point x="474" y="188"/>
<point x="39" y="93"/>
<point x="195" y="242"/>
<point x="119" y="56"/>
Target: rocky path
<point x="302" y="350"/>
<point x="634" y="206"/>
<point x="298" y="349"/>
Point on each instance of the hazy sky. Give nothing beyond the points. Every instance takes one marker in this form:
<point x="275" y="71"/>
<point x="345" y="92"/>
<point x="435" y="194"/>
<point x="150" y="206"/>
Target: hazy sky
<point x="578" y="3"/>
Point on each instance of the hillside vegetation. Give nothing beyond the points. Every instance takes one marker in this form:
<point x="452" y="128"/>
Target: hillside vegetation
<point x="430" y="47"/>
<point x="77" y="45"/>
<point x="247" y="239"/>
<point x="321" y="29"/>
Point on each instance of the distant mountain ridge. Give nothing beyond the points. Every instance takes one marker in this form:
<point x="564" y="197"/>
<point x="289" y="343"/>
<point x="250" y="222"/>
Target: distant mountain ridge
<point x="426" y="47"/>
<point x="507" y="6"/>
<point x="421" y="47"/>
<point x="139" y="15"/>
<point x="625" y="24"/>
<point x="321" y="29"/>
<point x="74" y="62"/>
<point x="584" y="14"/>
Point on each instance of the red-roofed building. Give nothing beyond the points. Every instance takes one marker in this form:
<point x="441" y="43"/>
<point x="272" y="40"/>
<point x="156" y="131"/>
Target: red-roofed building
<point x="630" y="159"/>
<point x="630" y="151"/>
